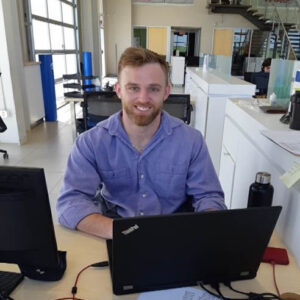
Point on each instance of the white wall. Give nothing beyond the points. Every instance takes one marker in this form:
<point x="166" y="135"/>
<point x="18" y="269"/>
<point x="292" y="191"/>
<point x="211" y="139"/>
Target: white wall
<point x="90" y="31"/>
<point x="117" y="27"/>
<point x="11" y="65"/>
<point x="196" y="15"/>
<point x="121" y="15"/>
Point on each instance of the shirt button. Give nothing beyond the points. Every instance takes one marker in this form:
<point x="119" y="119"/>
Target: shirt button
<point x="142" y="176"/>
<point x="144" y="195"/>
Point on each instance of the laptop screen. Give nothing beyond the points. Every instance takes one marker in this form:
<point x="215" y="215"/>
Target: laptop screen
<point x="166" y="251"/>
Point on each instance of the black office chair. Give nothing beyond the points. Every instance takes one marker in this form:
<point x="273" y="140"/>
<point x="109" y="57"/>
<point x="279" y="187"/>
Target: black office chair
<point x="2" y="129"/>
<point x="179" y="106"/>
<point x="97" y="106"/>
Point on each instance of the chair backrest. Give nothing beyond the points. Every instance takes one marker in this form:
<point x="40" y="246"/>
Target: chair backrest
<point x="98" y="106"/>
<point x="2" y="125"/>
<point x="179" y="106"/>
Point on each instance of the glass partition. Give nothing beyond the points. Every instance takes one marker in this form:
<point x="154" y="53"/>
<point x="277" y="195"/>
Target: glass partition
<point x="281" y="80"/>
<point x="253" y="64"/>
<point x="219" y="63"/>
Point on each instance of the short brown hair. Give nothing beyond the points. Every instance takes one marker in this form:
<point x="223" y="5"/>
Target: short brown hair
<point x="266" y="63"/>
<point x="137" y="57"/>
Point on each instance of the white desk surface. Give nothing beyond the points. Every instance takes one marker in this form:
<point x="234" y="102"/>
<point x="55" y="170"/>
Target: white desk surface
<point x="95" y="283"/>
<point x="217" y="83"/>
<point x="252" y="120"/>
<point x="70" y="99"/>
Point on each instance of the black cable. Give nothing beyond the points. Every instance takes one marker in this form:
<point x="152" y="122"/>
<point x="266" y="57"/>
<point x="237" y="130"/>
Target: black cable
<point x="228" y="284"/>
<point x="253" y="296"/>
<point x="100" y="264"/>
<point x="200" y="283"/>
<point x="216" y="286"/>
<point x="250" y="295"/>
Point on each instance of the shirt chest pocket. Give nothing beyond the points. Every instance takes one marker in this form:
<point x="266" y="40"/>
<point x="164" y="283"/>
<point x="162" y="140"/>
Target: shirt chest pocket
<point x="170" y="180"/>
<point x="117" y="181"/>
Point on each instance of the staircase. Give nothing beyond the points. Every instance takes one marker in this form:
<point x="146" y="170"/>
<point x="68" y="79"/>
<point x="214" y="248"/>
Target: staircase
<point x="251" y="14"/>
<point x="259" y="43"/>
<point x="294" y="37"/>
<point x="277" y="46"/>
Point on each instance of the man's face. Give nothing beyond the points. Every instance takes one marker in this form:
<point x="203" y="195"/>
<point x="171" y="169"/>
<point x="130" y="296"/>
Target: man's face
<point x="142" y="91"/>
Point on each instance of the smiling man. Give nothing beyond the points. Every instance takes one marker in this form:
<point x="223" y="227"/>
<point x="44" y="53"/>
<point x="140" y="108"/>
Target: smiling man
<point x="140" y="161"/>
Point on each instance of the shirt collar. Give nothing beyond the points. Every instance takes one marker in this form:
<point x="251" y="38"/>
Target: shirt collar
<point x="114" y="125"/>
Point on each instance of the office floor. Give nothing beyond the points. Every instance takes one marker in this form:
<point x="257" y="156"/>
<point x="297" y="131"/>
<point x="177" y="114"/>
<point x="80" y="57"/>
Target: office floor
<point x="48" y="147"/>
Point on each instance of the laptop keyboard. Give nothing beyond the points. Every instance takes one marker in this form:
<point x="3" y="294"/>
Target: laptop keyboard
<point x="8" y="282"/>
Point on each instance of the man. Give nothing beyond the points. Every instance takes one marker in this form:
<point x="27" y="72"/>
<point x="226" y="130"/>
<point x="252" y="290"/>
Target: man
<point x="266" y="65"/>
<point x="143" y="160"/>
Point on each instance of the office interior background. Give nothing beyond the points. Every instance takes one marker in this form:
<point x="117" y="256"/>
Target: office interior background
<point x="66" y="28"/>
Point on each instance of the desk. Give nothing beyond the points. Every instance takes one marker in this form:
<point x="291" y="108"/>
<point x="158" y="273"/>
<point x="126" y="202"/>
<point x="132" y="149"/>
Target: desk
<point x="254" y="152"/>
<point x="209" y="93"/>
<point x="95" y="284"/>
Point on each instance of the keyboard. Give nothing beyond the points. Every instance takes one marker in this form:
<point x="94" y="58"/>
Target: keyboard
<point x="8" y="282"/>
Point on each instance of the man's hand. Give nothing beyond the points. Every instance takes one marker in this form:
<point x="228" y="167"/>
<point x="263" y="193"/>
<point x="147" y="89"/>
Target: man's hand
<point x="96" y="224"/>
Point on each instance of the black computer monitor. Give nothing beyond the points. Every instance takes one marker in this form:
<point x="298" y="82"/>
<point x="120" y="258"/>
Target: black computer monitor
<point x="261" y="80"/>
<point x="192" y="61"/>
<point x="27" y="236"/>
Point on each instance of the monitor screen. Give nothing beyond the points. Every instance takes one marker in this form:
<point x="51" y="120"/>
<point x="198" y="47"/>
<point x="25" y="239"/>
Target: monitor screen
<point x="261" y="80"/>
<point x="26" y="229"/>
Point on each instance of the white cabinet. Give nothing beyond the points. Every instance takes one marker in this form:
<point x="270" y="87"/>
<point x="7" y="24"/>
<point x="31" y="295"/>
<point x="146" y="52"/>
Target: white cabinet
<point x="34" y="92"/>
<point x="177" y="70"/>
<point x="209" y="93"/>
<point x="227" y="174"/>
<point x="199" y="100"/>
<point x="245" y="151"/>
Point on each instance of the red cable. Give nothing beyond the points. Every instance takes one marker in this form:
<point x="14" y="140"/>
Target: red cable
<point x="76" y="281"/>
<point x="274" y="278"/>
<point x="75" y="286"/>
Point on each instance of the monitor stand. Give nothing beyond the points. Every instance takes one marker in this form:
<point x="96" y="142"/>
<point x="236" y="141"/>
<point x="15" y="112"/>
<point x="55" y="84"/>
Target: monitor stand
<point x="46" y="274"/>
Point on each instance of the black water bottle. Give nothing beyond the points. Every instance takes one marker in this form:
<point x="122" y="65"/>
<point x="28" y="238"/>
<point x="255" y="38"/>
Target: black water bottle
<point x="295" y="111"/>
<point x="261" y="191"/>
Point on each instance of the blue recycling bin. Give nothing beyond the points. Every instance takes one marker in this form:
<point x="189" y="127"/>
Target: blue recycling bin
<point x="87" y="67"/>
<point x="48" y="85"/>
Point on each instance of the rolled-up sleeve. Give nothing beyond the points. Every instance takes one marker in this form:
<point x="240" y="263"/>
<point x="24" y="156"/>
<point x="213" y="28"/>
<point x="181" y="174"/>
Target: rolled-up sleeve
<point x="80" y="184"/>
<point x="202" y="182"/>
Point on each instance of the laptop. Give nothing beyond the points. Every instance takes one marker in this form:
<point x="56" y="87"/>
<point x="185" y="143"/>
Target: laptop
<point x="168" y="251"/>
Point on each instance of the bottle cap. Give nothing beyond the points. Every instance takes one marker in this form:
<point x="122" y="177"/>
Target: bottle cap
<point x="263" y="177"/>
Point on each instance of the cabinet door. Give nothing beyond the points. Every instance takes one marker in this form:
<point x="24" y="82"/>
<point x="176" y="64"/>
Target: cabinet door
<point x="190" y="88"/>
<point x="226" y="175"/>
<point x="177" y="70"/>
<point x="214" y="128"/>
<point x="157" y="39"/>
<point x="200" y="108"/>
<point x="187" y="88"/>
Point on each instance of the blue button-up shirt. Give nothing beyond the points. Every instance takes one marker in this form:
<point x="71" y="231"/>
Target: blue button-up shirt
<point x="173" y="165"/>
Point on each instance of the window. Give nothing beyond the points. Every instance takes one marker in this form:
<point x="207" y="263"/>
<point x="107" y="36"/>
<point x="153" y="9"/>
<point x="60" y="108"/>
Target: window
<point x="180" y="43"/>
<point x="165" y="1"/>
<point x="54" y="30"/>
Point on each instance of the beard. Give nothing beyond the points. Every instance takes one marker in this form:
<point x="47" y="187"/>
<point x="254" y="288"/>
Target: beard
<point x="142" y="120"/>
